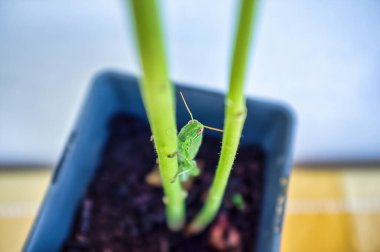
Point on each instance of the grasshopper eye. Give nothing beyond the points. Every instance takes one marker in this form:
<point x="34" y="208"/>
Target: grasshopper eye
<point x="200" y="131"/>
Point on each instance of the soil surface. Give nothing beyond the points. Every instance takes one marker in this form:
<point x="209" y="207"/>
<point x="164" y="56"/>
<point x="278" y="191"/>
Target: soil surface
<point x="121" y="212"/>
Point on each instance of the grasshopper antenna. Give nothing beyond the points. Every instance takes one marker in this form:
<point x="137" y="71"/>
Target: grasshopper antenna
<point x="191" y="115"/>
<point x="212" y="128"/>
<point x="188" y="110"/>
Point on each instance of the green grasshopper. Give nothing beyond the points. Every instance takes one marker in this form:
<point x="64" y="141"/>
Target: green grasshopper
<point x="189" y="142"/>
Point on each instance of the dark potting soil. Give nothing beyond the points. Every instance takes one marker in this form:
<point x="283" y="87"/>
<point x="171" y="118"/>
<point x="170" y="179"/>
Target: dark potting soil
<point x="121" y="212"/>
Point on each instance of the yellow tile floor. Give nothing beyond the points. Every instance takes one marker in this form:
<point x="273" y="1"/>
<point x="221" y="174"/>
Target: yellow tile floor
<point x="328" y="209"/>
<point x="333" y="210"/>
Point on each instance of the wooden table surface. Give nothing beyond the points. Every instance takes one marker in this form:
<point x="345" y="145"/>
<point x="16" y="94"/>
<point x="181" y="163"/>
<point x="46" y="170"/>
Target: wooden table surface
<point x="329" y="208"/>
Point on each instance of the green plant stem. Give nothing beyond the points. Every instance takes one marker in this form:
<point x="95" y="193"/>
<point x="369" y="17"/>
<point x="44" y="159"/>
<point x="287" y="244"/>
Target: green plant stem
<point x="159" y="102"/>
<point x="235" y="114"/>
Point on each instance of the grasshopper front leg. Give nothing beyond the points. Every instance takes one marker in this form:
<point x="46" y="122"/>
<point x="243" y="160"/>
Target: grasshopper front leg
<point x="173" y="154"/>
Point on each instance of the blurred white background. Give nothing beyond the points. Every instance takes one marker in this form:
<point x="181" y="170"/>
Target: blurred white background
<point x="321" y="57"/>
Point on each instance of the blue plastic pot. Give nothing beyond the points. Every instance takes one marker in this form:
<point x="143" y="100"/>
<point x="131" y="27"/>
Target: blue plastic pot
<point x="268" y="124"/>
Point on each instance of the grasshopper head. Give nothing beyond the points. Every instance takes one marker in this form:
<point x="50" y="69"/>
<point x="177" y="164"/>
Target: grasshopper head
<point x="194" y="128"/>
<point x="190" y="138"/>
<point x="191" y="132"/>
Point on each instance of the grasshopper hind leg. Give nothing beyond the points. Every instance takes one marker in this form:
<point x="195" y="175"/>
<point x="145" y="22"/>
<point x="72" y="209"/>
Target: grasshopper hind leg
<point x="195" y="171"/>
<point x="186" y="170"/>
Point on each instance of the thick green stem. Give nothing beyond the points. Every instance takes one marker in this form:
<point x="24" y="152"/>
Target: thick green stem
<point x="235" y="114"/>
<point x="159" y="101"/>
